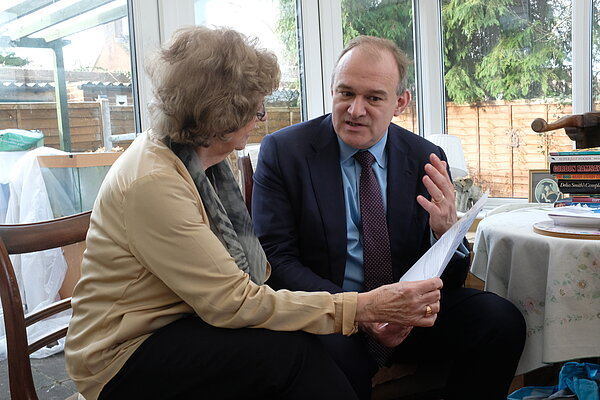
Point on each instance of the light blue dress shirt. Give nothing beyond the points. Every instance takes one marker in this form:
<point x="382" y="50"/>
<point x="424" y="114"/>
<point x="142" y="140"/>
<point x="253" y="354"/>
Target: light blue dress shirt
<point x="354" y="274"/>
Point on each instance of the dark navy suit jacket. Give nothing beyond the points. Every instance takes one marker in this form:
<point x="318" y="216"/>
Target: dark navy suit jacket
<point x="299" y="213"/>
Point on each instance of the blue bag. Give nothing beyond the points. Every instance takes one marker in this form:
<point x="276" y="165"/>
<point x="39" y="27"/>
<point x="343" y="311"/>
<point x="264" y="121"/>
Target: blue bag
<point x="580" y="379"/>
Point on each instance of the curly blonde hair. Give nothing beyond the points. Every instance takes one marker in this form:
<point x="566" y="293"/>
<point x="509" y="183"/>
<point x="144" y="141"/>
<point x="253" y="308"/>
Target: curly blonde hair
<point x="208" y="83"/>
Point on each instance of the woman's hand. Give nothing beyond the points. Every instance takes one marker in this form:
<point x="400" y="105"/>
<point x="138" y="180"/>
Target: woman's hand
<point x="403" y="303"/>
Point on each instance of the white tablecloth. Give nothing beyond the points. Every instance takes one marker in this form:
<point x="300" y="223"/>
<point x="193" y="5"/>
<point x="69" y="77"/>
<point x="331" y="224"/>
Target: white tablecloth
<point x="555" y="282"/>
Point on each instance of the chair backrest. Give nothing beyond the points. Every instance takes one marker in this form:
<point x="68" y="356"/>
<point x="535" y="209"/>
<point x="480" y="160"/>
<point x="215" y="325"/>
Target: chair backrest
<point x="26" y="238"/>
<point x="247" y="173"/>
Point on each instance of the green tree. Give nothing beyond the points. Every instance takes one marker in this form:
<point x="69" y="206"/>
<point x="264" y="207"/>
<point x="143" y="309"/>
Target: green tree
<point x="10" y="60"/>
<point x="506" y="49"/>
<point x="383" y="18"/>
<point x="388" y="19"/>
<point x="286" y="28"/>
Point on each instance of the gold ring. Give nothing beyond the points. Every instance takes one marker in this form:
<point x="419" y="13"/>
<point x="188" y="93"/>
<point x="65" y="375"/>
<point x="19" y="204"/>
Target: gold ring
<point x="434" y="201"/>
<point x="428" y="311"/>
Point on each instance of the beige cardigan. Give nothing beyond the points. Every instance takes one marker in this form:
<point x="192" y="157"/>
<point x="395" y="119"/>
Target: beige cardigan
<point x="151" y="258"/>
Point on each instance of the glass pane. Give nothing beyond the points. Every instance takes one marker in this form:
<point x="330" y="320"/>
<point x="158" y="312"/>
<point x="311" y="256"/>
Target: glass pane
<point x="393" y="20"/>
<point x="65" y="70"/>
<point x="273" y="22"/>
<point x="507" y="62"/>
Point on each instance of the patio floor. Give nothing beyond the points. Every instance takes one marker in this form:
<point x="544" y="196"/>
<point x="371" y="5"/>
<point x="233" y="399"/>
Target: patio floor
<point x="51" y="379"/>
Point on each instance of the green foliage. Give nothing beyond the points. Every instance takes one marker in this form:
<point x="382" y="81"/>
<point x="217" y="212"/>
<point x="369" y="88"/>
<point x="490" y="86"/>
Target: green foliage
<point x="382" y="18"/>
<point x="286" y="28"/>
<point x="10" y="60"/>
<point x="506" y="49"/>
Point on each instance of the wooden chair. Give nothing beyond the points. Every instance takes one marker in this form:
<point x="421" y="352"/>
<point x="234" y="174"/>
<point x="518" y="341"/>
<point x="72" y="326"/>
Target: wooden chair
<point x="26" y="238"/>
<point x="247" y="173"/>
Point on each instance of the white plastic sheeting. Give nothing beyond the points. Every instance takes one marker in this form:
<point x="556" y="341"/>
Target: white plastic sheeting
<point x="7" y="161"/>
<point x="39" y="275"/>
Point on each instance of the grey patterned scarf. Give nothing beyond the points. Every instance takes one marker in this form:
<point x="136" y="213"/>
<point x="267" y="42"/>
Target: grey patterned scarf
<point x="227" y="212"/>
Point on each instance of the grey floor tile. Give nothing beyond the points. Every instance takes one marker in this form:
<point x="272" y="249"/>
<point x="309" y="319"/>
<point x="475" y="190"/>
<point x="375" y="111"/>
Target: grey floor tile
<point x="49" y="375"/>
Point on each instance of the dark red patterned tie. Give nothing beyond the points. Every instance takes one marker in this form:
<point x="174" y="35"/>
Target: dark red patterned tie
<point x="377" y="257"/>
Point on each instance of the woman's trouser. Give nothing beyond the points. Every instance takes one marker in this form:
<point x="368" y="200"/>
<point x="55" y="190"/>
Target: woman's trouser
<point x="190" y="359"/>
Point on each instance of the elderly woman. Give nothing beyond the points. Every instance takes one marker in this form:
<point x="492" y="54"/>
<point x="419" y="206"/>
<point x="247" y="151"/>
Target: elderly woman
<point x="173" y="277"/>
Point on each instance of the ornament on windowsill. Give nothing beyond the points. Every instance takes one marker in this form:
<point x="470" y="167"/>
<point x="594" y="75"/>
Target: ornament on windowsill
<point x="467" y="193"/>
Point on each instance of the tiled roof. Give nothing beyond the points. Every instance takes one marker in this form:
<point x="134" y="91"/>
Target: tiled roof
<point x="104" y="84"/>
<point x="50" y="85"/>
<point x="22" y="85"/>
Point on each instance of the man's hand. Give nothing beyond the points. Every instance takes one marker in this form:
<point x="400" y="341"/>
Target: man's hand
<point x="389" y="335"/>
<point x="442" y="207"/>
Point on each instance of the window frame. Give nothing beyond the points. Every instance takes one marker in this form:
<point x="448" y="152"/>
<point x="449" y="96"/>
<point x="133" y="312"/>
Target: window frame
<point x="320" y="22"/>
<point x="582" y="55"/>
<point x="151" y="24"/>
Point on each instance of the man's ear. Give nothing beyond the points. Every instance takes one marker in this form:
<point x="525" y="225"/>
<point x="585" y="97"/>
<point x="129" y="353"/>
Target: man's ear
<point x="403" y="102"/>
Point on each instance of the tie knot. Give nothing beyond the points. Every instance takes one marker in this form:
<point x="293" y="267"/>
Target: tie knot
<point x="364" y="158"/>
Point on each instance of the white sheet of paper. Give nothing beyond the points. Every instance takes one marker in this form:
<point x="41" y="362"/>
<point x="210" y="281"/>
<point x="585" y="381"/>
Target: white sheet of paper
<point x="435" y="260"/>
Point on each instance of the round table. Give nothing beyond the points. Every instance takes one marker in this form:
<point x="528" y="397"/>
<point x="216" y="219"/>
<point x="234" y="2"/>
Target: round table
<point x="554" y="281"/>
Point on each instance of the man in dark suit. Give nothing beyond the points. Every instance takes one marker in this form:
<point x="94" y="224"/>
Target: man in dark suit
<point x="307" y="215"/>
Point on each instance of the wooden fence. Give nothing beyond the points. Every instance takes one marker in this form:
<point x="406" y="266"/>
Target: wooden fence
<point x="84" y="119"/>
<point x="500" y="146"/>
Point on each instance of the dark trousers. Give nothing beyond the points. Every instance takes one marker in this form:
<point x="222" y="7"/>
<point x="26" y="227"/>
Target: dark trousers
<point x="478" y="337"/>
<point x="190" y="359"/>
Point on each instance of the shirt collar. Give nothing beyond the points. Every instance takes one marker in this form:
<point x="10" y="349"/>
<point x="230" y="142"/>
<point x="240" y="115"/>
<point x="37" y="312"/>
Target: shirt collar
<point x="378" y="150"/>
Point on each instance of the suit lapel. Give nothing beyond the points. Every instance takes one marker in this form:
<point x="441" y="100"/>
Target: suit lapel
<point x="326" y="179"/>
<point x="401" y="192"/>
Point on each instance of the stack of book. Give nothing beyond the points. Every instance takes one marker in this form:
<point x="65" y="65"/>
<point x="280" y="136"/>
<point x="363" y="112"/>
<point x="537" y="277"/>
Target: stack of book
<point x="591" y="201"/>
<point x="578" y="175"/>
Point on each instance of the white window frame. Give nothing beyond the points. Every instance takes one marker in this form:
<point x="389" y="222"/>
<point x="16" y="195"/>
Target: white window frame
<point x="152" y="23"/>
<point x="313" y="95"/>
<point x="429" y="67"/>
<point x="321" y="24"/>
<point x="582" y="55"/>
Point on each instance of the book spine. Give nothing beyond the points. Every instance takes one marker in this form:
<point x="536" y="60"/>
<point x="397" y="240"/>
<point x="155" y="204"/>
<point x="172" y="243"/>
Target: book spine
<point x="574" y="158"/>
<point x="585" y="199"/>
<point x="579" y="186"/>
<point x="577" y="176"/>
<point x="591" y="150"/>
<point x="575" y="203"/>
<point x="575" y="168"/>
<point x="574" y="152"/>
